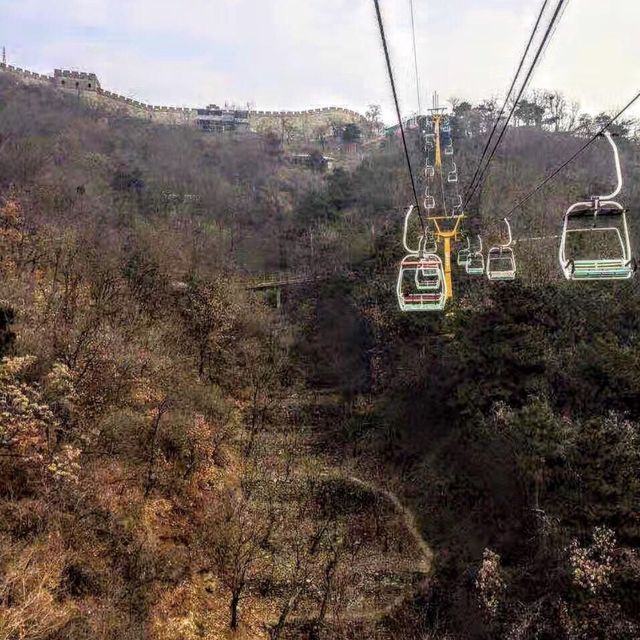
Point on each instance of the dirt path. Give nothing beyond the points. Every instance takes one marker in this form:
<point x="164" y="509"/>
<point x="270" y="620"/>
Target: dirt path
<point x="408" y="518"/>
<point x="423" y="564"/>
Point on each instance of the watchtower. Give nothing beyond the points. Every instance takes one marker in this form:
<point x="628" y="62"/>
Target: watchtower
<point x="75" y="80"/>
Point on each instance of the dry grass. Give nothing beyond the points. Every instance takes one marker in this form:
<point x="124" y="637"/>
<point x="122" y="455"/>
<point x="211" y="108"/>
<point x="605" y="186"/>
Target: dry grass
<point x="30" y="608"/>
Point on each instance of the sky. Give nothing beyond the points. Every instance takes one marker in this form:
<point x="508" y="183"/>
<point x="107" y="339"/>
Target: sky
<point x="297" y="54"/>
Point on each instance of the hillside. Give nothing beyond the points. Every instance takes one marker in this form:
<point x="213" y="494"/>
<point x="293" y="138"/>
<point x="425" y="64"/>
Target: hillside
<point x="305" y="126"/>
<point x="179" y="459"/>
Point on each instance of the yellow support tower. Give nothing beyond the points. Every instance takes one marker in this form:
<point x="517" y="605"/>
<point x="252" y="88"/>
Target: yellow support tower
<point x="446" y="227"/>
<point x="437" y="118"/>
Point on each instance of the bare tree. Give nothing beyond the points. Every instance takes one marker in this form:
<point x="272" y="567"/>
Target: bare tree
<point x="159" y="412"/>
<point x="233" y="535"/>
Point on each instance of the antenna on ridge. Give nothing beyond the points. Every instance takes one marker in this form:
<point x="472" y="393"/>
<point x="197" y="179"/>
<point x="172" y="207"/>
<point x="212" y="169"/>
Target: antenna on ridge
<point x="436" y="104"/>
<point x="4" y="55"/>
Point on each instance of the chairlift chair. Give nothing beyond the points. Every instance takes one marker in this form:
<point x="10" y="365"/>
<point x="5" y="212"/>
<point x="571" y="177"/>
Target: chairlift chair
<point x="422" y="285"/>
<point x="429" y="170"/>
<point x="429" y="201"/>
<point x="463" y="254"/>
<point x="599" y="220"/>
<point x="475" y="263"/>
<point x="453" y="174"/>
<point x="457" y="207"/>
<point x="445" y="140"/>
<point x="501" y="261"/>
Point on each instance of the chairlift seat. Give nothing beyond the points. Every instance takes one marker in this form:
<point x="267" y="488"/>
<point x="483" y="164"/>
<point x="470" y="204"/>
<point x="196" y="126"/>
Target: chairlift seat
<point x="425" y="277"/>
<point x="463" y="257"/>
<point x="428" y="275"/>
<point x="475" y="262"/>
<point x="422" y="302"/>
<point x="605" y="269"/>
<point x="429" y="202"/>
<point x="603" y="212"/>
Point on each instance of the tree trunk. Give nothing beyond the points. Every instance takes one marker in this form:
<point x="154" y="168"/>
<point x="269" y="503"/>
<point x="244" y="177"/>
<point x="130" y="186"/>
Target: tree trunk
<point x="235" y="601"/>
<point x="202" y="358"/>
<point x="150" y="481"/>
<point x="328" y="575"/>
<point x="277" y="630"/>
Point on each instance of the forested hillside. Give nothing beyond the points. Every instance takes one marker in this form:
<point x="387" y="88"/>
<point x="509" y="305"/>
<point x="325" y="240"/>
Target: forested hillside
<point x="179" y="459"/>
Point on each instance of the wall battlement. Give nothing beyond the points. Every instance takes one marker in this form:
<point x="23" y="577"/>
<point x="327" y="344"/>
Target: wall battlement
<point x="88" y="86"/>
<point x="80" y="75"/>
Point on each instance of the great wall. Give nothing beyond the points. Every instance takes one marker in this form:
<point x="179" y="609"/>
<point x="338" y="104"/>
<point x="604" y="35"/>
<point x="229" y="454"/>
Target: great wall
<point x="88" y="87"/>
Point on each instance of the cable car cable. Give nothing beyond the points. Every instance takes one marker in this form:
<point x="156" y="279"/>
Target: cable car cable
<point x="532" y="67"/>
<point x="585" y="146"/>
<point x="541" y="48"/>
<point x="506" y="100"/>
<point x="415" y="56"/>
<point x="397" y="105"/>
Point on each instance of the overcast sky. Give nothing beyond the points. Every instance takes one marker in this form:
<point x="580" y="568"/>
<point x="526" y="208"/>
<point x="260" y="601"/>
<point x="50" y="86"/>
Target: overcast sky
<point x="295" y="54"/>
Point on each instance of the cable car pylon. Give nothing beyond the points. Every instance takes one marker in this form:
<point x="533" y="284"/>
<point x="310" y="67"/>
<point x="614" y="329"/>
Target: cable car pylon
<point x="446" y="227"/>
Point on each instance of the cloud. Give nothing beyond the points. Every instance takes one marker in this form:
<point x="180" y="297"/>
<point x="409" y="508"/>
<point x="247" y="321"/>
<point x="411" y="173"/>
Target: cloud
<point x="595" y="54"/>
<point x="305" y="53"/>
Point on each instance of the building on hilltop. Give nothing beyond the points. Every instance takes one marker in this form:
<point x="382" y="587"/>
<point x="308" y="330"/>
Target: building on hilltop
<point x="75" y="80"/>
<point x="316" y="161"/>
<point x="215" y="119"/>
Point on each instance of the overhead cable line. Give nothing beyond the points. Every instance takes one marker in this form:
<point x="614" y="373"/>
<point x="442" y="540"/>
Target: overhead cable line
<point x="585" y="146"/>
<point x="415" y="56"/>
<point x="506" y="100"/>
<point x="532" y="67"/>
<point x="397" y="104"/>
